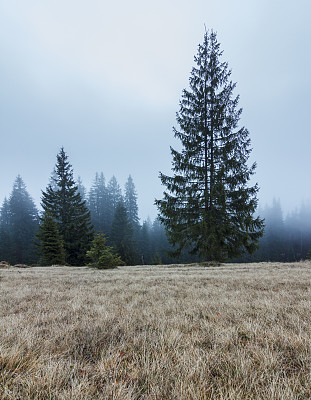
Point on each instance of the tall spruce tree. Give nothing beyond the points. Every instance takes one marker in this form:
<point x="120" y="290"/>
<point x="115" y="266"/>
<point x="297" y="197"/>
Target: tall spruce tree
<point x="63" y="202"/>
<point x="208" y="207"/>
<point x="130" y="202"/>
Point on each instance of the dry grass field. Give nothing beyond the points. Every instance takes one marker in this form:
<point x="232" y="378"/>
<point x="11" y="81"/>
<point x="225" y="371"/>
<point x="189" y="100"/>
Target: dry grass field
<point x="237" y="331"/>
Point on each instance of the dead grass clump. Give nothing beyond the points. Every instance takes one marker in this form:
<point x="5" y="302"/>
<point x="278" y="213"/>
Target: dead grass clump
<point x="183" y="332"/>
<point x="21" y="266"/>
<point x="4" y="264"/>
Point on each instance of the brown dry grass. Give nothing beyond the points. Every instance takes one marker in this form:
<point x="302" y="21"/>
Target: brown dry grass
<point x="184" y="332"/>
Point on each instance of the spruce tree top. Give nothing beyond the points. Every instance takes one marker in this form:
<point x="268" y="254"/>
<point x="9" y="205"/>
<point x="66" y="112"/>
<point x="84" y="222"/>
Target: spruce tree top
<point x="208" y="207"/>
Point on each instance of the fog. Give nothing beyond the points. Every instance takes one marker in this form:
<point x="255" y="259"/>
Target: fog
<point x="104" y="80"/>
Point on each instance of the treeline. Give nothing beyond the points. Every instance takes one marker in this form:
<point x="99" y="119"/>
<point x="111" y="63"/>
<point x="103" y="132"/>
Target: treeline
<point x="285" y="239"/>
<point x="62" y="233"/>
<point x="71" y="216"/>
<point x="19" y="222"/>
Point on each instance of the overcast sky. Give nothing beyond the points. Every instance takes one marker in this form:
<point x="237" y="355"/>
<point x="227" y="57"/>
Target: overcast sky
<point x="104" y="80"/>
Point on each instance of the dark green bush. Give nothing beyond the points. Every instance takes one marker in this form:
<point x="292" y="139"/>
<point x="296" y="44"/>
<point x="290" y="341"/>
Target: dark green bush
<point x="101" y="255"/>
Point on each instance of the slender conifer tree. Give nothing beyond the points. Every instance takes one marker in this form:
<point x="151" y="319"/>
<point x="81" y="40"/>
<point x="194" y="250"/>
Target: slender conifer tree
<point x="51" y="245"/>
<point x="208" y="207"/>
<point x="130" y="201"/>
<point x="63" y="202"/>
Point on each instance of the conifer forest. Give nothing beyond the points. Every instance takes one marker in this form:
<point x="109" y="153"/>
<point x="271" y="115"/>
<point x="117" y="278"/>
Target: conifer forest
<point x="28" y="236"/>
<point x="72" y="216"/>
<point x="209" y="211"/>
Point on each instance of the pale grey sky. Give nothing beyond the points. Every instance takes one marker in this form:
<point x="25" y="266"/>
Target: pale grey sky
<point x="104" y="80"/>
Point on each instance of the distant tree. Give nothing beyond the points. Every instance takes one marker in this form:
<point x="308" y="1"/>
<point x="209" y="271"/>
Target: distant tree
<point x="121" y="236"/>
<point x="22" y="223"/>
<point x="273" y="246"/>
<point x="130" y="201"/>
<point x="98" y="202"/>
<point x="156" y="260"/>
<point x="114" y="197"/>
<point x="63" y="202"/>
<point x="93" y="203"/>
<point x="81" y="189"/>
<point x="114" y="192"/>
<point x="6" y="245"/>
<point x="145" y="248"/>
<point x="101" y="255"/>
<point x="298" y="231"/>
<point x="161" y="247"/>
<point x="208" y="209"/>
<point x="153" y="245"/>
<point x="51" y="245"/>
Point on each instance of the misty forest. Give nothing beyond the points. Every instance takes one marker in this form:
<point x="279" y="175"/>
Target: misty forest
<point x="155" y="207"/>
<point x="209" y="210"/>
<point x="115" y="214"/>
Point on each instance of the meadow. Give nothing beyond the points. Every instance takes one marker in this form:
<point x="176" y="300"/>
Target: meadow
<point x="234" y="331"/>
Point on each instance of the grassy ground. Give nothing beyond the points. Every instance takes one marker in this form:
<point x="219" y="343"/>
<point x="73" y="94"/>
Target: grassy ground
<point x="240" y="331"/>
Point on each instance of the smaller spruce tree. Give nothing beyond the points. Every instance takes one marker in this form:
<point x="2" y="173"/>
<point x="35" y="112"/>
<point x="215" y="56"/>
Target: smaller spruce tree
<point x="51" y="245"/>
<point x="101" y="255"/>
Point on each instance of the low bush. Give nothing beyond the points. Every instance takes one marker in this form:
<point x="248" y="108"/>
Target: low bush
<point x="103" y="256"/>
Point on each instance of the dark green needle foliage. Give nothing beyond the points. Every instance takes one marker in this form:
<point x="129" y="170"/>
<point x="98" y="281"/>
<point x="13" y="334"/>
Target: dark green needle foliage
<point x="121" y="235"/>
<point x="63" y="202"/>
<point x="114" y="198"/>
<point x="130" y="201"/>
<point x="20" y="219"/>
<point x="99" y="205"/>
<point x="101" y="255"/>
<point x="208" y="207"/>
<point x="51" y="245"/>
<point x="6" y="239"/>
